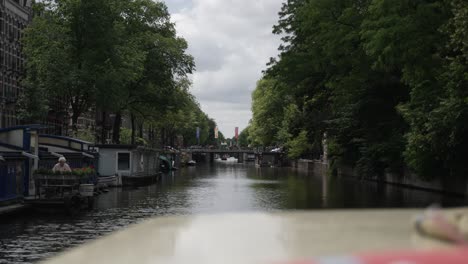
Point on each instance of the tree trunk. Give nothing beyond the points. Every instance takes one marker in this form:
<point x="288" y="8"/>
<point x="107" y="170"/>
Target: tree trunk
<point x="140" y="132"/>
<point x="103" y="127"/>
<point x="132" y="117"/>
<point x="163" y="135"/>
<point x="151" y="135"/>
<point x="96" y="127"/>
<point x="116" y="128"/>
<point x="75" y="116"/>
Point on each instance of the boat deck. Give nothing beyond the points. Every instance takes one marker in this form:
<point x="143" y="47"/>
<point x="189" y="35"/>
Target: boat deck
<point x="256" y="237"/>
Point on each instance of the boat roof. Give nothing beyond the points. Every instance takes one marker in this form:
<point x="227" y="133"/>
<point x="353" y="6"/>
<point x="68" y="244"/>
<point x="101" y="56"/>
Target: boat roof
<point x="65" y="138"/>
<point x="253" y="237"/>
<point x="8" y="148"/>
<point x="29" y="127"/>
<point x="116" y="146"/>
<point x="58" y="149"/>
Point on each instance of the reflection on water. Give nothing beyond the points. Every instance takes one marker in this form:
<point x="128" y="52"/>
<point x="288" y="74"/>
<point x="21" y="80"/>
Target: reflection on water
<point x="221" y="187"/>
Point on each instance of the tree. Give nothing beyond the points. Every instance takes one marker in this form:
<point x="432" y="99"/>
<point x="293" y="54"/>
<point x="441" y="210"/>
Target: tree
<point x="267" y="108"/>
<point x="438" y="138"/>
<point x="114" y="56"/>
<point x="33" y="103"/>
<point x="244" y="137"/>
<point x="148" y="34"/>
<point x="70" y="50"/>
<point x="386" y="80"/>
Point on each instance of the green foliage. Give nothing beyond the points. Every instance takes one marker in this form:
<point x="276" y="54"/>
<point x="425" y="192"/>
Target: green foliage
<point x="437" y="140"/>
<point x="267" y="112"/>
<point x="387" y="81"/>
<point x="116" y="56"/>
<point x="182" y="120"/>
<point x="244" y="137"/>
<point x="298" y="146"/>
<point x="125" y="136"/>
<point x="86" y="135"/>
<point x="71" y="48"/>
<point x="141" y="141"/>
<point x="32" y="103"/>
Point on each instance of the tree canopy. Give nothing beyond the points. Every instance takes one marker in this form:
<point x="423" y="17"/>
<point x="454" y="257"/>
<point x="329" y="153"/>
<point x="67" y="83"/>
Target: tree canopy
<point x="385" y="80"/>
<point x="112" y="56"/>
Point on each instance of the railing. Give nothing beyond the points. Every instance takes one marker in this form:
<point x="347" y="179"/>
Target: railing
<point x="219" y="151"/>
<point x="57" y="186"/>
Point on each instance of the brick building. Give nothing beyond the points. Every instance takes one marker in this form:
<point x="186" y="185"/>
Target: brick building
<point x="14" y="17"/>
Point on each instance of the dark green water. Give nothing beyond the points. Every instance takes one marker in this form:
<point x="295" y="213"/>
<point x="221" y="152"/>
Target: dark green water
<point x="220" y="187"/>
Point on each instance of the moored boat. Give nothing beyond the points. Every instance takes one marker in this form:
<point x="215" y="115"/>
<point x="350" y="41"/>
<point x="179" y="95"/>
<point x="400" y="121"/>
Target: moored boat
<point x="69" y="192"/>
<point x="141" y="179"/>
<point x="107" y="181"/>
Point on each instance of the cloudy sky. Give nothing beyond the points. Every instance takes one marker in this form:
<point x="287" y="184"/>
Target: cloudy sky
<point x="231" y="41"/>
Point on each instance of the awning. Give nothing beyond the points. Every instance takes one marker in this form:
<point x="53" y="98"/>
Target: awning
<point x="29" y="155"/>
<point x="87" y="155"/>
<point x="56" y="154"/>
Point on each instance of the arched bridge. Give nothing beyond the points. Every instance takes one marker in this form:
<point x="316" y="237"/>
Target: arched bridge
<point x="220" y="151"/>
<point x="261" y="157"/>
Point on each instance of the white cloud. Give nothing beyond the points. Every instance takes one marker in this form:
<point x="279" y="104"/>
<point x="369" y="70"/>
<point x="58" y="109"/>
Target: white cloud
<point x="231" y="41"/>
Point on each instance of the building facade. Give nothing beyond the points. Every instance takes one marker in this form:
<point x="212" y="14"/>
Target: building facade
<point x="14" y="17"/>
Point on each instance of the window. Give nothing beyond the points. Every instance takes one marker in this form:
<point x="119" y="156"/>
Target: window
<point x="123" y="161"/>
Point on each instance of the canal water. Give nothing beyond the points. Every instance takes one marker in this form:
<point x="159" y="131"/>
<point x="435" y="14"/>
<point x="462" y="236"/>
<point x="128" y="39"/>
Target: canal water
<point x="224" y="186"/>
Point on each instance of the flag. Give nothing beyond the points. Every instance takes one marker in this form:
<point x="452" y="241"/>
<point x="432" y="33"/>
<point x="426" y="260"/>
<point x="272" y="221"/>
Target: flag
<point x="237" y="133"/>
<point x="216" y="132"/>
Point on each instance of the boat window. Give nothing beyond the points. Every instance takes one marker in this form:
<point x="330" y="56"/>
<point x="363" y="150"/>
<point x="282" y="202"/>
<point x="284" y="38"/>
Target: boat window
<point x="123" y="161"/>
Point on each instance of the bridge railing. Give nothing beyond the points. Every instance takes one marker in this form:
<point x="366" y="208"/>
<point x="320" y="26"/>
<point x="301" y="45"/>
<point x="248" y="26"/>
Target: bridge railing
<point x="220" y="151"/>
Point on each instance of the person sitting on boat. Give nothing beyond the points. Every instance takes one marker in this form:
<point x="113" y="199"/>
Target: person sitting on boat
<point x="61" y="166"/>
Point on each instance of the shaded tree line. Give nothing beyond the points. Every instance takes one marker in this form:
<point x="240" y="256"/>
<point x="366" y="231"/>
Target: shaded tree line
<point x="385" y="80"/>
<point x="118" y="57"/>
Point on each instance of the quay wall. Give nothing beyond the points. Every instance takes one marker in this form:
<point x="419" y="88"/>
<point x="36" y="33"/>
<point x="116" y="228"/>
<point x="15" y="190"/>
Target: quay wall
<point x="457" y="186"/>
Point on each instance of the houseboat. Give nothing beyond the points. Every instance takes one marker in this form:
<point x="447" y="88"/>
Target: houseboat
<point x="12" y="178"/>
<point x="71" y="191"/>
<point x="136" y="165"/>
<point x="18" y="158"/>
<point x="79" y="153"/>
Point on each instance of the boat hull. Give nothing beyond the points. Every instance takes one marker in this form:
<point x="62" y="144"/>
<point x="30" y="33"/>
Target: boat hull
<point x="140" y="180"/>
<point x="107" y="181"/>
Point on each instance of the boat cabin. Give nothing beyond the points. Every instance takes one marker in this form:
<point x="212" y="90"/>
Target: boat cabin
<point x="12" y="175"/>
<point x="79" y="153"/>
<point x="18" y="158"/>
<point x="133" y="163"/>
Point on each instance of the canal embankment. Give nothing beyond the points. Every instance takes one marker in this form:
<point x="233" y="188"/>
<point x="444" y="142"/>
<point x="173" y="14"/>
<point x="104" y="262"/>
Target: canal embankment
<point x="454" y="186"/>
